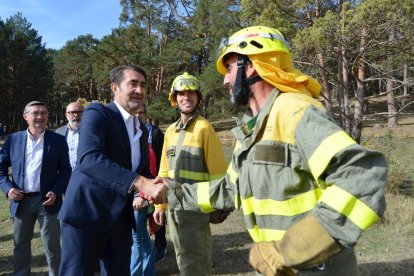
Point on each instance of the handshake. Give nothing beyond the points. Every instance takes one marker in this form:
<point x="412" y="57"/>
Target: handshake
<point x="154" y="190"/>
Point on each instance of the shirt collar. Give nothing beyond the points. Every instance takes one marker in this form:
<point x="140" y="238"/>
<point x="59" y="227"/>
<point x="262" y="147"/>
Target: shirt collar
<point x="32" y="137"/>
<point x="180" y="124"/>
<point x="126" y="116"/>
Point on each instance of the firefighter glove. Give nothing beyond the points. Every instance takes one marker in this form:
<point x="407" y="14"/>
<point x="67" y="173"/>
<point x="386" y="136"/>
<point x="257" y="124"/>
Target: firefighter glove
<point x="265" y="258"/>
<point x="307" y="244"/>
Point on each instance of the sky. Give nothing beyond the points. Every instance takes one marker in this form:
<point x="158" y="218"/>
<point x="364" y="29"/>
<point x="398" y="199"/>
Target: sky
<point x="58" y="21"/>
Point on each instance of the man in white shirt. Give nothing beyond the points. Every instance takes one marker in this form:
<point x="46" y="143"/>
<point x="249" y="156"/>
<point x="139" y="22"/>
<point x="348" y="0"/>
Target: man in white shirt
<point x="73" y="113"/>
<point x="41" y="171"/>
<point x="97" y="214"/>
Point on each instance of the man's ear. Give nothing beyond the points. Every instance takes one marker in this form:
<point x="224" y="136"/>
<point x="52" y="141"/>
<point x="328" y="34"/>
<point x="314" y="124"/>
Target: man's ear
<point x="250" y="70"/>
<point x="114" y="88"/>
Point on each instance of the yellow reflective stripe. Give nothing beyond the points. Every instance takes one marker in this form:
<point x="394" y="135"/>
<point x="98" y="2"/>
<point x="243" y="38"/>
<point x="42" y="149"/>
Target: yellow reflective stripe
<point x="326" y="150"/>
<point x="232" y="174"/>
<point x="203" y="197"/>
<point x="164" y="174"/>
<point x="265" y="234"/>
<point x="237" y="146"/>
<point x="350" y="206"/>
<point x="194" y="175"/>
<point x="290" y="207"/>
<point x="216" y="176"/>
<point x="171" y="174"/>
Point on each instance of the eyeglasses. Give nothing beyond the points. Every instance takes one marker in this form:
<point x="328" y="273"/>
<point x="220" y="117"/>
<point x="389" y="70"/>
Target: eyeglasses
<point x="75" y="112"/>
<point x="41" y="113"/>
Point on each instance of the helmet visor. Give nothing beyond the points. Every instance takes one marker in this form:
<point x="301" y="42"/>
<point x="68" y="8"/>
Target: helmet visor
<point x="241" y="40"/>
<point x="186" y="84"/>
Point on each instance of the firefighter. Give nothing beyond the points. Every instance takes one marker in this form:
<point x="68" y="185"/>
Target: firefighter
<point x="307" y="189"/>
<point x="191" y="153"/>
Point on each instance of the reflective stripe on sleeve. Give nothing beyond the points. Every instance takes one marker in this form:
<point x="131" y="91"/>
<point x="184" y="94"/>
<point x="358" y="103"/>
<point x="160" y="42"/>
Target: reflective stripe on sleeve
<point x="232" y="174"/>
<point x="238" y="145"/>
<point x="290" y="207"/>
<point x="326" y="150"/>
<point x="203" y="197"/>
<point x="216" y="176"/>
<point x="171" y="174"/>
<point x="265" y="234"/>
<point x="197" y="176"/>
<point x="350" y="206"/>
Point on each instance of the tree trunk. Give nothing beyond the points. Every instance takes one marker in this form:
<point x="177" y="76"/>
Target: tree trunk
<point x="392" y="111"/>
<point x="360" y="92"/>
<point x="346" y="108"/>
<point x="405" y="82"/>
<point x="326" y="92"/>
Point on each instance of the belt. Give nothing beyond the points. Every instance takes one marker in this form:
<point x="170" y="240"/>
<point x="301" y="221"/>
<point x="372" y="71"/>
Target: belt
<point x="32" y="194"/>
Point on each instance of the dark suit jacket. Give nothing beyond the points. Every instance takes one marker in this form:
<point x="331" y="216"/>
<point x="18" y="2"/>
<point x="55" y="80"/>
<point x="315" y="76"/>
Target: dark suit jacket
<point x="63" y="130"/>
<point x="97" y="193"/>
<point x="55" y="172"/>
<point x="157" y="143"/>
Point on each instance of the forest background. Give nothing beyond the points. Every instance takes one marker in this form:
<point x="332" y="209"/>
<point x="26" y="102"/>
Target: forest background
<point x="361" y="51"/>
<point x="356" y="49"/>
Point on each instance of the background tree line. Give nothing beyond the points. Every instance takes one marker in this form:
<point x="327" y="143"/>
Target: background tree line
<point x="355" y="48"/>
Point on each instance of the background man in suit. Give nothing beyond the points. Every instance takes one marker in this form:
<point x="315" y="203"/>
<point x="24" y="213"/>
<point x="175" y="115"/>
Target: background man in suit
<point x="97" y="215"/>
<point x="155" y="142"/>
<point x="41" y="171"/>
<point x="142" y="258"/>
<point x="73" y="113"/>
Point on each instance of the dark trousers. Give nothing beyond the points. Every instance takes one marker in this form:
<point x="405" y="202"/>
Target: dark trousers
<point x="160" y="240"/>
<point x="83" y="248"/>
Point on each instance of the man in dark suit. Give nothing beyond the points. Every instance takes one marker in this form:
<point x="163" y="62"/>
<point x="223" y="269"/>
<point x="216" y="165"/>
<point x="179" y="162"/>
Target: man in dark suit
<point x="73" y="113"/>
<point x="40" y="174"/>
<point x="97" y="214"/>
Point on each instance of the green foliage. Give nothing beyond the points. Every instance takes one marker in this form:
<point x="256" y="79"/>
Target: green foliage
<point x="167" y="38"/>
<point x="25" y="70"/>
<point x="395" y="152"/>
<point x="163" y="111"/>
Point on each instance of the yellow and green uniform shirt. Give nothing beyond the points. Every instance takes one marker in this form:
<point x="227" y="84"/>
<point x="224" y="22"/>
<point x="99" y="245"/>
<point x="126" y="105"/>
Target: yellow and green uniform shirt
<point x="292" y="160"/>
<point x="192" y="153"/>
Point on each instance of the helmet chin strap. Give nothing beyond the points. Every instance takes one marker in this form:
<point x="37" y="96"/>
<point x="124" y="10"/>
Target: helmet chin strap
<point x="241" y="90"/>
<point x="188" y="113"/>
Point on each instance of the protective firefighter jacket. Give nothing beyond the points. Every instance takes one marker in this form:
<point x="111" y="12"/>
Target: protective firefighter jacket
<point x="192" y="153"/>
<point x="292" y="160"/>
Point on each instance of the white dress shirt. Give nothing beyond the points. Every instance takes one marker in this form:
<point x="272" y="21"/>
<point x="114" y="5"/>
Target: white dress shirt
<point x="130" y="123"/>
<point x="72" y="137"/>
<point x="33" y="163"/>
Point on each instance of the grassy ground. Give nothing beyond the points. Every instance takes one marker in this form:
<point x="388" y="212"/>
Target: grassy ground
<point x="387" y="248"/>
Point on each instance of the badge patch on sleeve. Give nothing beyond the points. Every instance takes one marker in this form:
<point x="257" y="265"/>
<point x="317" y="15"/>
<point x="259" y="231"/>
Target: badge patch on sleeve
<point x="171" y="151"/>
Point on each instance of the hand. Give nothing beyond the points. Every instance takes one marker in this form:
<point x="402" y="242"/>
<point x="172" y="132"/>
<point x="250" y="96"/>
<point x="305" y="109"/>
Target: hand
<point x="139" y="203"/>
<point x="51" y="199"/>
<point x="159" y="216"/>
<point x="265" y="258"/>
<point x="15" y="194"/>
<point x="156" y="193"/>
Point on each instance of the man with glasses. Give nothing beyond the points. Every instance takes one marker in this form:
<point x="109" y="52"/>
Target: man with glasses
<point x="40" y="173"/>
<point x="73" y="113"/>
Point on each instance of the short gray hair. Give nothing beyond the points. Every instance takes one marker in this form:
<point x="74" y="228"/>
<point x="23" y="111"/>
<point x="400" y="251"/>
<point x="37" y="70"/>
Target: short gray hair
<point x="33" y="103"/>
